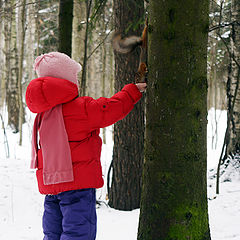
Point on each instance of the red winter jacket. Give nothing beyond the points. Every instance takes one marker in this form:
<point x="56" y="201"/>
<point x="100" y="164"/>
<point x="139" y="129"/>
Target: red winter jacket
<point x="83" y="118"/>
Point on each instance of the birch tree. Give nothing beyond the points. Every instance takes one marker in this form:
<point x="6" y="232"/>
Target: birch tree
<point x="234" y="95"/>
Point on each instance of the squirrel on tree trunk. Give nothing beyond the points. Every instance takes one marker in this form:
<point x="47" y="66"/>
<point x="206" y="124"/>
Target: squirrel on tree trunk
<point x="128" y="44"/>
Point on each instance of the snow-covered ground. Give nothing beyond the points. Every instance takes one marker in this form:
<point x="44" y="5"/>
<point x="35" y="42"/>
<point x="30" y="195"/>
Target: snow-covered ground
<point x="224" y="209"/>
<point x="21" y="205"/>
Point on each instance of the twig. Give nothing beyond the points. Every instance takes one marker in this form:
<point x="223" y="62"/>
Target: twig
<point x="97" y="10"/>
<point x="221" y="26"/>
<point x="216" y="3"/>
<point x="108" y="177"/>
<point x="99" y="45"/>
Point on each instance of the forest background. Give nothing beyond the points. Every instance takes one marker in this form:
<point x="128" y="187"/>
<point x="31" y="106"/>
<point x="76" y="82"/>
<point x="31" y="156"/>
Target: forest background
<point x="30" y="28"/>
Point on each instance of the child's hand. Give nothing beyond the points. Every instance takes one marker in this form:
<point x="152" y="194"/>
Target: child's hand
<point x="141" y="86"/>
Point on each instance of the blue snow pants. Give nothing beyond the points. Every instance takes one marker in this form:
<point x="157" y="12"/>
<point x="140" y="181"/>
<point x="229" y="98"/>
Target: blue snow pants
<point x="70" y="215"/>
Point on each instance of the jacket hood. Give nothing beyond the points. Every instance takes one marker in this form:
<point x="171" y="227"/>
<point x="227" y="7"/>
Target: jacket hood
<point x="46" y="92"/>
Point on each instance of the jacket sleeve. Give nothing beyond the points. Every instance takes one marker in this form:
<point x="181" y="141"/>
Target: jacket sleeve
<point x="106" y="111"/>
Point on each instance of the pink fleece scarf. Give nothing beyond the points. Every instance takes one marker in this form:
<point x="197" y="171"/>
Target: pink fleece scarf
<point x="57" y="162"/>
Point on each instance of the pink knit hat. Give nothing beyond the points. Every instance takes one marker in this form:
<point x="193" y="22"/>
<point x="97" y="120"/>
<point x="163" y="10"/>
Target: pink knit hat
<point x="58" y="65"/>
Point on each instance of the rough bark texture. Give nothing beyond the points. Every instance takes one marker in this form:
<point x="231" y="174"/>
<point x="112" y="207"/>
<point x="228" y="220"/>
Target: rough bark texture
<point x="234" y="140"/>
<point x="128" y="133"/>
<point x="174" y="194"/>
<point x="65" y="26"/>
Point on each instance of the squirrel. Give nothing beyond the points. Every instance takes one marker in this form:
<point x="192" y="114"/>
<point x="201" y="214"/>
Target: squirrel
<point x="128" y="44"/>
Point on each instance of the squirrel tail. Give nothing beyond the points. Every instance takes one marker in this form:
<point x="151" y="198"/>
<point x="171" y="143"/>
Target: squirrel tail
<point x="125" y="45"/>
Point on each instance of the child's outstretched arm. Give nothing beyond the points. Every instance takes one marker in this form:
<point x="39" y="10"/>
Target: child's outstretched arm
<point x="106" y="111"/>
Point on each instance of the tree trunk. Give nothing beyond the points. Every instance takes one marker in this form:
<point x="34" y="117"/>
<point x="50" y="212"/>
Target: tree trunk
<point x="37" y="24"/>
<point x="20" y="73"/>
<point x="65" y="26"/>
<point x="174" y="194"/>
<point x="32" y="38"/>
<point x="9" y="82"/>
<point x="104" y="69"/>
<point x="128" y="133"/>
<point x="84" y="65"/>
<point x="1" y="62"/>
<point x="79" y="17"/>
<point x="234" y="102"/>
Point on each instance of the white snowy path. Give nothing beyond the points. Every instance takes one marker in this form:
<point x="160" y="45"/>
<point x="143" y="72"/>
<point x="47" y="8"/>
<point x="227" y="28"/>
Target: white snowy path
<point x="224" y="213"/>
<point x="21" y="205"/>
<point x="21" y="208"/>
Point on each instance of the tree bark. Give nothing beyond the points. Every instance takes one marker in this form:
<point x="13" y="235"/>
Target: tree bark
<point x="65" y="26"/>
<point x="1" y="62"/>
<point x="79" y="17"/>
<point x="20" y="73"/>
<point x="104" y="68"/>
<point x="84" y="65"/>
<point x="9" y="82"/>
<point x="174" y="194"/>
<point x="128" y="133"/>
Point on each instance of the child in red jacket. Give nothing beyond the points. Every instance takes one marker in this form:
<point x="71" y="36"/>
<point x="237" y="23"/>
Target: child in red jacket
<point x="67" y="155"/>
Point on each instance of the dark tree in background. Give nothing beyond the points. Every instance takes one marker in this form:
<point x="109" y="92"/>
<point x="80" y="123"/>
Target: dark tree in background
<point x="128" y="133"/>
<point x="174" y="194"/>
<point x="65" y="26"/>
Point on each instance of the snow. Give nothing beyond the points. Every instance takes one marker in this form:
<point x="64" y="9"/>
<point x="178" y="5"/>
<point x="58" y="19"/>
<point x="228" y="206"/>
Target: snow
<point x="224" y="209"/>
<point x="21" y="205"/>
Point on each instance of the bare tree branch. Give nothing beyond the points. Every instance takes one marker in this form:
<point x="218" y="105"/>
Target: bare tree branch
<point x="99" y="45"/>
<point x="221" y="26"/>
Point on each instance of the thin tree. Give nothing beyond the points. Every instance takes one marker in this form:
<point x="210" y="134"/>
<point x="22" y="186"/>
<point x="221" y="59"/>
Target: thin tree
<point x="174" y="194"/>
<point x="20" y="73"/>
<point x="65" y="26"/>
<point x="1" y="63"/>
<point x="129" y="133"/>
<point x="79" y="12"/>
<point x="234" y="141"/>
<point x="104" y="68"/>
<point x="84" y="64"/>
<point x="9" y="81"/>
